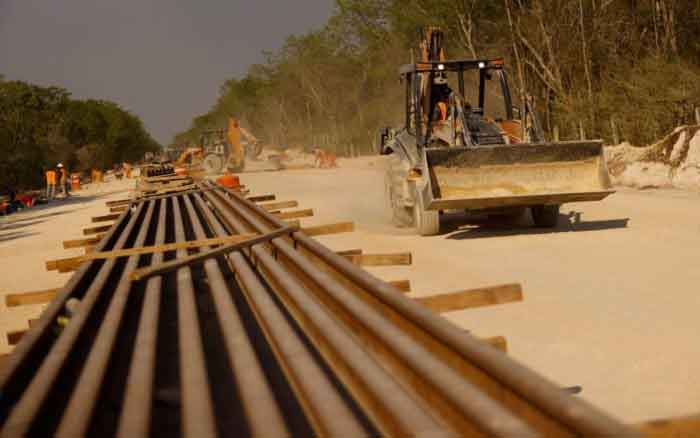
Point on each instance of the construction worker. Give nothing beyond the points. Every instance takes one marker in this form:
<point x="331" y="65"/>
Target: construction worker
<point x="441" y="91"/>
<point x="63" y="179"/>
<point x="127" y="169"/>
<point x="50" y="184"/>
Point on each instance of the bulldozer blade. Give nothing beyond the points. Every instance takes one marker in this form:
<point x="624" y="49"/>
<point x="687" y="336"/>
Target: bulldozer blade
<point x="476" y="178"/>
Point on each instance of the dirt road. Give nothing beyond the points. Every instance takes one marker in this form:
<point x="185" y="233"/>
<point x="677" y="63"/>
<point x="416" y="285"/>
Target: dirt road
<point x="612" y="303"/>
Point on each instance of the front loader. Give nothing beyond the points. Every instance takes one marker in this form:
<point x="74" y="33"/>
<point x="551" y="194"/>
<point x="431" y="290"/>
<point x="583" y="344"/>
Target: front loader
<point x="471" y="148"/>
<point x="228" y="148"/>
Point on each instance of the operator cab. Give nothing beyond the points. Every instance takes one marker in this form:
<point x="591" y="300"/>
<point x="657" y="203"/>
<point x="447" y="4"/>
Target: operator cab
<point x="460" y="103"/>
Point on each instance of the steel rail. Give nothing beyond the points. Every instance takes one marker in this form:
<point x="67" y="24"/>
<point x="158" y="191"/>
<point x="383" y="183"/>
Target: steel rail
<point x="197" y="408"/>
<point x="324" y="407"/>
<point x="34" y="397"/>
<point x="487" y="415"/>
<point x="136" y="412"/>
<point x="9" y="373"/>
<point x="281" y="338"/>
<point x="574" y="413"/>
<point x="76" y="417"/>
<point x="264" y="418"/>
<point x="390" y="409"/>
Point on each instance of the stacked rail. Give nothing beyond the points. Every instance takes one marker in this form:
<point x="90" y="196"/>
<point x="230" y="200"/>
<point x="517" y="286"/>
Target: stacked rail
<point x="282" y="337"/>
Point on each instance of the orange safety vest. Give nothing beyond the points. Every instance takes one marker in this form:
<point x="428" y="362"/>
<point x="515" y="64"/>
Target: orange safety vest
<point x="51" y="177"/>
<point x="442" y="106"/>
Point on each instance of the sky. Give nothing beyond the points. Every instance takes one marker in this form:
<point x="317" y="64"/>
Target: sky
<point x="163" y="60"/>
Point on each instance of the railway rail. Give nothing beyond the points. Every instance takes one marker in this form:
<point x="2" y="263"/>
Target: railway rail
<point x="284" y="337"/>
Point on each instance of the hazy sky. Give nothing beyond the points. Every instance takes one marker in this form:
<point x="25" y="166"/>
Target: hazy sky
<point x="163" y="60"/>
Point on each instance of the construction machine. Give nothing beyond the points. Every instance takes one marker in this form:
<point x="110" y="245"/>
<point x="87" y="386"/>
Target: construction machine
<point x="228" y="147"/>
<point x="221" y="149"/>
<point x="473" y="148"/>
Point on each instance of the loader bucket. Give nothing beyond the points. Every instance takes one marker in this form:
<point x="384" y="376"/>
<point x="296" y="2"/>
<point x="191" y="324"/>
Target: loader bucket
<point x="476" y="178"/>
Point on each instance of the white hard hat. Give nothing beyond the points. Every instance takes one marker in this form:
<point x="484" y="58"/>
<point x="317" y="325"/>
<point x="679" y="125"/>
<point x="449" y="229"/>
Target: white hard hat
<point x="60" y="165"/>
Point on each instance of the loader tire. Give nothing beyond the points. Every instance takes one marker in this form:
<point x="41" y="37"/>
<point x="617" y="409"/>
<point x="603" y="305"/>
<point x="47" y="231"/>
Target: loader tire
<point x="545" y="216"/>
<point x="400" y="215"/>
<point x="427" y="222"/>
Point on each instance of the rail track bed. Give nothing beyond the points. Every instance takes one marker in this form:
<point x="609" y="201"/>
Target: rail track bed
<point x="263" y="332"/>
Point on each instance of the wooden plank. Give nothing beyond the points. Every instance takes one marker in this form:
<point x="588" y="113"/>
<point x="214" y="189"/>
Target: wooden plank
<point x="320" y="230"/>
<point x="118" y="209"/>
<point x="166" y="191"/>
<point x="119" y="202"/>
<point x="261" y="198"/>
<point x="295" y="214"/>
<point x="349" y="252"/>
<point x="279" y="205"/>
<point x="27" y="298"/>
<point x="149" y="271"/>
<point x="64" y="265"/>
<point x="15" y="336"/>
<point x="401" y="285"/>
<point x="79" y="243"/>
<point x="467" y="299"/>
<point x="166" y="178"/>
<point x="89" y="249"/>
<point x="106" y="218"/>
<point x="398" y="259"/>
<point x="72" y="263"/>
<point x="33" y="322"/>
<point x="497" y="342"/>
<point x="683" y="427"/>
<point x="98" y="229"/>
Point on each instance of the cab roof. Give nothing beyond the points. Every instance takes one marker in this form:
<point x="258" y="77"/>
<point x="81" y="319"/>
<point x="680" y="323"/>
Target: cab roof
<point x="452" y="65"/>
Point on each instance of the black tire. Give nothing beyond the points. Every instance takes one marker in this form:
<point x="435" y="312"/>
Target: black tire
<point x="400" y="215"/>
<point x="545" y="216"/>
<point x="427" y="222"/>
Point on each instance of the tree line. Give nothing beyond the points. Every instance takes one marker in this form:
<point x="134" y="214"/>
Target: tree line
<point x="610" y="69"/>
<point x="42" y="126"/>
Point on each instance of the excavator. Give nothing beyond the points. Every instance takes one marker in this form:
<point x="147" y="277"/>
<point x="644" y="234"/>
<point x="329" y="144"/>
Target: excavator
<point x="467" y="146"/>
<point x="221" y="149"/>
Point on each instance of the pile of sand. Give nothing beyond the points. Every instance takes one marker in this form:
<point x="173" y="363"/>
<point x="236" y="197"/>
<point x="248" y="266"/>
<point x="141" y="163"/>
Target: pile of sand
<point x="672" y="162"/>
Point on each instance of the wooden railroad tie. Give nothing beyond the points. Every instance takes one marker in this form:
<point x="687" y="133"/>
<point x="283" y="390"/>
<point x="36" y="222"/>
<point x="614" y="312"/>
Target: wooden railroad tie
<point x="467" y="299"/>
<point x="279" y="205"/>
<point x="73" y="263"/>
<point x="118" y="203"/>
<point x="401" y="285"/>
<point x="294" y="214"/>
<point x="106" y="218"/>
<point x="98" y="229"/>
<point x="79" y="243"/>
<point x="118" y="209"/>
<point x="349" y="252"/>
<point x="28" y="298"/>
<point x="151" y="179"/>
<point x="398" y="259"/>
<point x="261" y="198"/>
<point x="319" y="230"/>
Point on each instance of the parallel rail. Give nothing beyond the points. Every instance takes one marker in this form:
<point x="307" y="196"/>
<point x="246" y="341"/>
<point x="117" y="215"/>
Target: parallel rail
<point x="284" y="338"/>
